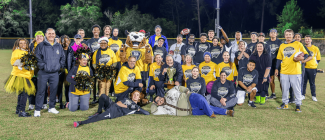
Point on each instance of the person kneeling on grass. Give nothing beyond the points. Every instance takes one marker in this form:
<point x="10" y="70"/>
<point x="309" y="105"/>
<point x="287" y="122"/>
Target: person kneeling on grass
<point x="247" y="80"/>
<point x="75" y="95"/>
<point x="114" y="110"/>
<point x="179" y="101"/>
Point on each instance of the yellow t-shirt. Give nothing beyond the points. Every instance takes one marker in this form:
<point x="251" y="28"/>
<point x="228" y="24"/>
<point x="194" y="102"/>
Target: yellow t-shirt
<point x="107" y="57"/>
<point x="17" y="54"/>
<point x="154" y="71"/>
<point x="82" y="69"/>
<point x="114" y="45"/>
<point x="187" y="71"/>
<point x="207" y="71"/>
<point x="312" y="64"/>
<point x="124" y="75"/>
<point x="286" y="54"/>
<point x="231" y="72"/>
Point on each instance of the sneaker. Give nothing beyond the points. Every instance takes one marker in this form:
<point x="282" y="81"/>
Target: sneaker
<point x="53" y="110"/>
<point x="283" y="106"/>
<point x="213" y="116"/>
<point x="37" y="113"/>
<point x="23" y="114"/>
<point x="151" y="99"/>
<point x="94" y="102"/>
<point x="230" y="113"/>
<point x="44" y="106"/>
<point x="272" y="96"/>
<point x="96" y="114"/>
<point x="298" y="109"/>
<point x="314" y="98"/>
<point x="75" y="124"/>
<point x="266" y="97"/>
<point x="303" y="97"/>
<point x="252" y="105"/>
<point x="30" y="107"/>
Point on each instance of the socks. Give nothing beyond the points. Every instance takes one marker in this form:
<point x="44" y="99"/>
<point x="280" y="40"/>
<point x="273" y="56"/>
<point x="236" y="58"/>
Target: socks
<point x="258" y="99"/>
<point x="262" y="100"/>
<point x="250" y="101"/>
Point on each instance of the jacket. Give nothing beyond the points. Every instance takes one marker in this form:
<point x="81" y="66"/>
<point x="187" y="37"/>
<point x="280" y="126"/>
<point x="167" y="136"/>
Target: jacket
<point x="234" y="47"/>
<point x="50" y="58"/>
<point x="71" y="75"/>
<point x="178" y="75"/>
<point x="152" y="41"/>
<point x="70" y="59"/>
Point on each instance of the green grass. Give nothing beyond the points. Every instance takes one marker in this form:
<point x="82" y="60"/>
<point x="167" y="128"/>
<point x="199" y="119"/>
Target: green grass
<point x="264" y="122"/>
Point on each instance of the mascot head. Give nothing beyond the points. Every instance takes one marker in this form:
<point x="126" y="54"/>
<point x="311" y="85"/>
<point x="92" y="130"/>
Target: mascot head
<point x="136" y="40"/>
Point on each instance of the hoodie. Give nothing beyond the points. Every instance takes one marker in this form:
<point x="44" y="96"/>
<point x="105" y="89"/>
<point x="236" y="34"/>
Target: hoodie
<point x="234" y="47"/>
<point x="127" y="78"/>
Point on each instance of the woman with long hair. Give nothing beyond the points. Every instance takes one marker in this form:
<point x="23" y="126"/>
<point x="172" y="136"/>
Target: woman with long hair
<point x="19" y="81"/>
<point x="227" y="66"/>
<point x="195" y="83"/>
<point x="187" y="68"/>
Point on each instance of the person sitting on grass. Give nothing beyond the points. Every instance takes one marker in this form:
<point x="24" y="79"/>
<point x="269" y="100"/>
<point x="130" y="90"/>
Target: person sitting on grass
<point x="113" y="110"/>
<point x="179" y="101"/>
<point x="195" y="83"/>
<point x="155" y="85"/>
<point x="75" y="95"/>
<point x="247" y="80"/>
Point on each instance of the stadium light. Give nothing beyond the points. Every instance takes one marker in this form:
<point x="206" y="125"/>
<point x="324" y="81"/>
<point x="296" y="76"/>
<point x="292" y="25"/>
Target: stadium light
<point x="218" y="18"/>
<point x="30" y="21"/>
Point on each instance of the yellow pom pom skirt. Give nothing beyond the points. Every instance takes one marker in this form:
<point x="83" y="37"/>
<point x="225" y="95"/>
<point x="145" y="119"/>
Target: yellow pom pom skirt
<point x="17" y="84"/>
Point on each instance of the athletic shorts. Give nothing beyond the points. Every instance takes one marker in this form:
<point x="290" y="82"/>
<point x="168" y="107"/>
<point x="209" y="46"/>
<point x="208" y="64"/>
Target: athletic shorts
<point x="273" y="67"/>
<point x="241" y="95"/>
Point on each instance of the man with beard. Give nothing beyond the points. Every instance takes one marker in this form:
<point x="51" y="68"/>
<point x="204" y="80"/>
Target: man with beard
<point x="107" y="31"/>
<point x="170" y="63"/>
<point x="273" y="43"/>
<point x="176" y="48"/>
<point x="189" y="48"/>
<point x="234" y="47"/>
<point x="128" y="80"/>
<point x="153" y="40"/>
<point x="251" y="46"/>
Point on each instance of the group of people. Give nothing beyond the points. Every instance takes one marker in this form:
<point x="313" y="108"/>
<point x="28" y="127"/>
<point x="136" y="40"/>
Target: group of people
<point x="212" y="75"/>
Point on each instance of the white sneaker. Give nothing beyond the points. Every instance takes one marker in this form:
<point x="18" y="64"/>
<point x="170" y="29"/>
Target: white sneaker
<point x="44" y="106"/>
<point x="53" y="110"/>
<point x="37" y="113"/>
<point x="303" y="97"/>
<point x="314" y="98"/>
<point x="30" y="107"/>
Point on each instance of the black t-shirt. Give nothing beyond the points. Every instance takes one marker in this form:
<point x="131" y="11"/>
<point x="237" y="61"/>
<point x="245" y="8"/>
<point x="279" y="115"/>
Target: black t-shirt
<point x="251" y="46"/>
<point x="216" y="54"/>
<point x="196" y="85"/>
<point x="127" y="102"/>
<point x="247" y="77"/>
<point x="242" y="63"/>
<point x="274" y="47"/>
<point x="188" y="49"/>
<point x="93" y="44"/>
<point x="160" y="50"/>
<point x="226" y="90"/>
<point x="201" y="48"/>
<point x="261" y="63"/>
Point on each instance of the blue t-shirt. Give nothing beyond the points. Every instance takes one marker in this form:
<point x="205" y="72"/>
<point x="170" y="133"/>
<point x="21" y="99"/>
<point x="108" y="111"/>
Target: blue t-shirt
<point x="247" y="77"/>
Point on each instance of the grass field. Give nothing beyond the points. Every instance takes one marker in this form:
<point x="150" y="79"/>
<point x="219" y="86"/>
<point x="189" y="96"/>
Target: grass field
<point x="264" y="122"/>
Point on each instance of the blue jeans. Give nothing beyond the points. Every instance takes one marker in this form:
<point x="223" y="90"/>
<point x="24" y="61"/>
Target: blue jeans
<point x="200" y="106"/>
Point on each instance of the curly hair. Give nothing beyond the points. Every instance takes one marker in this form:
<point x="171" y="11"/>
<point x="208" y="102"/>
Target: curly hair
<point x="16" y="44"/>
<point x="62" y="39"/>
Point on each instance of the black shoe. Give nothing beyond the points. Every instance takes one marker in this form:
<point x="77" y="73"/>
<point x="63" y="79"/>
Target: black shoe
<point x="94" y="102"/>
<point x="96" y="114"/>
<point x="298" y="109"/>
<point x="17" y="111"/>
<point x="272" y="96"/>
<point x="62" y="106"/>
<point x="23" y="114"/>
<point x="151" y="99"/>
<point x="252" y="105"/>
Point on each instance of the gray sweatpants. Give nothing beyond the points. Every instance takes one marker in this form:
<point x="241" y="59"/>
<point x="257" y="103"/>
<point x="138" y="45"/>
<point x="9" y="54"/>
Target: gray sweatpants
<point x="295" y="82"/>
<point x="74" y="100"/>
<point x="231" y="103"/>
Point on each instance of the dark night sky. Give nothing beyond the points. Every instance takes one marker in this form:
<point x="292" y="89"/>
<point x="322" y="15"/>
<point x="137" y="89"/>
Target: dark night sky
<point x="309" y="7"/>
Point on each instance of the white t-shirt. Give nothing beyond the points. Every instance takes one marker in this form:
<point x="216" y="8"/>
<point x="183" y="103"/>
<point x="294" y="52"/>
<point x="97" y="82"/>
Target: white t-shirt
<point x="177" y="52"/>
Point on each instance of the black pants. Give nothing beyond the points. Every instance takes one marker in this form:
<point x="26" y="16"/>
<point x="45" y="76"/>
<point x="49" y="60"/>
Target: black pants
<point x="144" y="76"/>
<point x="31" y="98"/>
<point x="159" y="89"/>
<point x="42" y="80"/>
<point x="104" y="102"/>
<point x="262" y="89"/>
<point x="21" y="103"/>
<point x="112" y="112"/>
<point x="310" y="74"/>
<point x="60" y="88"/>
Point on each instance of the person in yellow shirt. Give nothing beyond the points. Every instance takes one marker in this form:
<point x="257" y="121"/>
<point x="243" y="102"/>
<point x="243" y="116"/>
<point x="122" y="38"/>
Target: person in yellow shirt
<point x="208" y="68"/>
<point x="187" y="68"/>
<point x="128" y="80"/>
<point x="311" y="67"/>
<point x="210" y="36"/>
<point x="155" y="85"/>
<point x="76" y="95"/>
<point x="114" y="43"/>
<point x="19" y="81"/>
<point x="104" y="56"/>
<point x="228" y="67"/>
<point x="290" y="75"/>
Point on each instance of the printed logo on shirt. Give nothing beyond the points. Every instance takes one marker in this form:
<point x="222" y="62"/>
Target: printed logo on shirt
<point x="104" y="59"/>
<point x="248" y="79"/>
<point x="137" y="54"/>
<point x="109" y="115"/>
<point x="312" y="53"/>
<point x="114" y="47"/>
<point x="222" y="91"/>
<point x="157" y="72"/>
<point x="177" y="50"/>
<point x="188" y="73"/>
<point x="57" y="52"/>
<point x="191" y="51"/>
<point x="203" y="47"/>
<point x="158" y="51"/>
<point x="274" y="48"/>
<point x="251" y="48"/>
<point x="131" y="77"/>
<point x="82" y="72"/>
<point x="215" y="53"/>
<point x="242" y="58"/>
<point x="205" y="70"/>
<point x="195" y="87"/>
<point x="228" y="70"/>
<point x="288" y="51"/>
<point x="127" y="102"/>
<point x="95" y="46"/>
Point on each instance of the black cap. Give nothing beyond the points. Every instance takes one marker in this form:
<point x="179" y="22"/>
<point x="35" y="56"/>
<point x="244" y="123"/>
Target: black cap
<point x="203" y="34"/>
<point x="261" y="34"/>
<point x="161" y="38"/>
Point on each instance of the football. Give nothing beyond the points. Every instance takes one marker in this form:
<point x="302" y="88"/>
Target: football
<point x="185" y="31"/>
<point x="299" y="54"/>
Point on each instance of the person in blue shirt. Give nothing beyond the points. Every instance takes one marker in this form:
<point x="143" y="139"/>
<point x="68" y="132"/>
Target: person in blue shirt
<point x="153" y="40"/>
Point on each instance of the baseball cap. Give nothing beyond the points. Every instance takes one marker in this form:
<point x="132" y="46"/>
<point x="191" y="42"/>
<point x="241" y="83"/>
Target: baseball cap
<point x="77" y="36"/>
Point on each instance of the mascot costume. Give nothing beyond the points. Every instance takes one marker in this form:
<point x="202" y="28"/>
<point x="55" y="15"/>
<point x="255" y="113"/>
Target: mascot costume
<point x="136" y="45"/>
